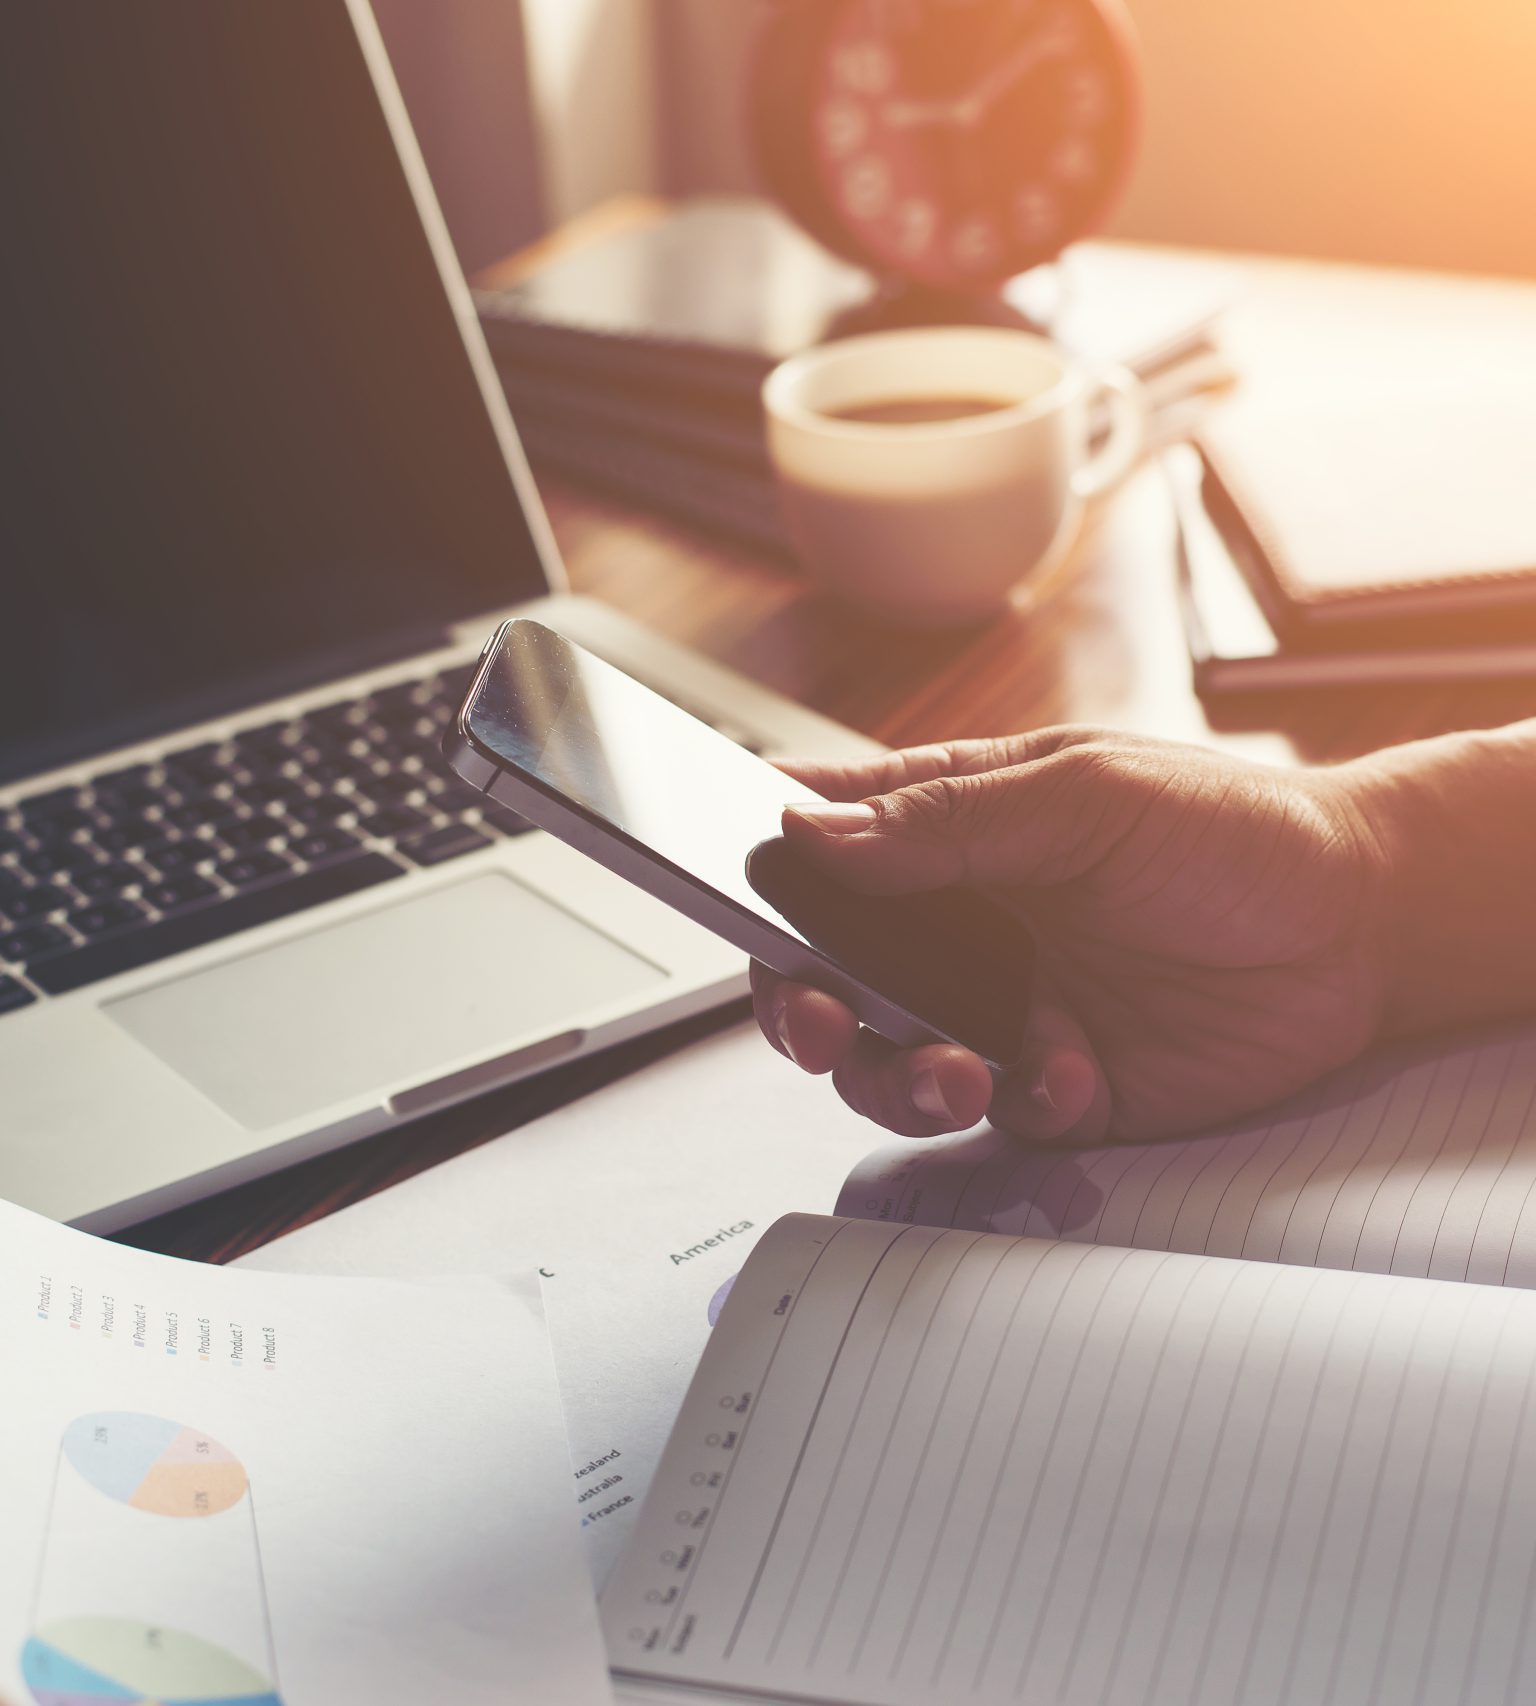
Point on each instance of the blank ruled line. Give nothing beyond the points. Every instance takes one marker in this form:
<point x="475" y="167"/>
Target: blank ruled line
<point x="1492" y="1193"/>
<point x="1471" y="1458"/>
<point x="1363" y="1544"/>
<point x="794" y="1474"/>
<point x="1330" y="1504"/>
<point x="999" y="1255"/>
<point x="1519" y="1220"/>
<point x="1269" y="1408"/>
<point x="980" y="1409"/>
<point x="1105" y="1283"/>
<point x="736" y="1456"/>
<point x="1413" y="1132"/>
<point x="1228" y="1409"/>
<point x="1298" y="1459"/>
<point x="1453" y="1185"/>
<point x="1175" y="1153"/>
<point x="1138" y="1580"/>
<point x="1080" y="1253"/>
<point x="792" y="1598"/>
<point x="1501" y="1509"/>
<point x="1512" y="1696"/>
<point x="1368" y="1158"/>
<point x="1091" y="1596"/>
<point x="835" y="1596"/>
<point x="1303" y="1190"/>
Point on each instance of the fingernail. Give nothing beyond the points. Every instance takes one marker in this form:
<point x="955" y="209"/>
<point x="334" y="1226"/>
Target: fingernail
<point x="928" y="1096"/>
<point x="837" y="817"/>
<point x="781" y="1030"/>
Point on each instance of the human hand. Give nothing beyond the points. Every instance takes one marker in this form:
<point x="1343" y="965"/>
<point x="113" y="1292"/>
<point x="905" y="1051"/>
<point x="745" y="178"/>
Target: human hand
<point x="1209" y="929"/>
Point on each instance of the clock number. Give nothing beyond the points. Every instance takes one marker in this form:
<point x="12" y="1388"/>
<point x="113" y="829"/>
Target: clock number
<point x="1087" y="100"/>
<point x="1072" y="160"/>
<point x="867" y="188"/>
<point x="863" y="68"/>
<point x="844" y="125"/>
<point x="974" y="245"/>
<point x="1035" y="215"/>
<point x="916" y="221"/>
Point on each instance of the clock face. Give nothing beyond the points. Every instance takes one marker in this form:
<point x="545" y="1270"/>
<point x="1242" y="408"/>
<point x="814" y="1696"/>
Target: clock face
<point x="961" y="141"/>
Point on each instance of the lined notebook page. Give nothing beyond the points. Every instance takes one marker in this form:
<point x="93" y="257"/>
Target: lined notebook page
<point x="1410" y="1162"/>
<point x="924" y="1466"/>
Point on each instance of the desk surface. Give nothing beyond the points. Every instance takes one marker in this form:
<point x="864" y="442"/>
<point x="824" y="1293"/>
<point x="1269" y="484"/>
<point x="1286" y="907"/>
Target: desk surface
<point x="1102" y="644"/>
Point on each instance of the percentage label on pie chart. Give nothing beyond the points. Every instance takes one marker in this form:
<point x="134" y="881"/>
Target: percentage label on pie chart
<point x="82" y="1660"/>
<point x="155" y="1465"/>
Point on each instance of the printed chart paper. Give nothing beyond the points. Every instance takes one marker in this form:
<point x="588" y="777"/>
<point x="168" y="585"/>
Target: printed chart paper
<point x="639" y="1204"/>
<point x="272" y="1491"/>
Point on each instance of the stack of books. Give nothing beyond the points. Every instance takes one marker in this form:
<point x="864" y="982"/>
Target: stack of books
<point x="635" y="362"/>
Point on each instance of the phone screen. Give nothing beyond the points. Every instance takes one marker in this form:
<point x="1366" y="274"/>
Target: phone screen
<point x="673" y="787"/>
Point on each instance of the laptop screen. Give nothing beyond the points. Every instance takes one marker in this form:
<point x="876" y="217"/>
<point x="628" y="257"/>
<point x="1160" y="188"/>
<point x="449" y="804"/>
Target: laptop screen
<point x="245" y="445"/>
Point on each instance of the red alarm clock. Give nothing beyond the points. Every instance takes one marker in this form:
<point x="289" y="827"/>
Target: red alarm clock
<point x="951" y="142"/>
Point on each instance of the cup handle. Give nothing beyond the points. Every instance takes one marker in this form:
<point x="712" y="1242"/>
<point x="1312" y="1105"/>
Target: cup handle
<point x="1127" y="436"/>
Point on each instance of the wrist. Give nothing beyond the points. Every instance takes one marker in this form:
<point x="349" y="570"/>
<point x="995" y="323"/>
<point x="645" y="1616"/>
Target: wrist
<point x="1451" y="829"/>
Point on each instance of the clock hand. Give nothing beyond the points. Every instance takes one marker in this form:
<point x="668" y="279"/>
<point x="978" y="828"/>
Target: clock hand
<point x="970" y="108"/>
<point x="917" y="115"/>
<point x="998" y="81"/>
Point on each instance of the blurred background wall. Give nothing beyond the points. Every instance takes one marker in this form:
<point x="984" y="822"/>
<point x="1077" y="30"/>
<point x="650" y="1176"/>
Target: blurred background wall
<point x="1385" y="130"/>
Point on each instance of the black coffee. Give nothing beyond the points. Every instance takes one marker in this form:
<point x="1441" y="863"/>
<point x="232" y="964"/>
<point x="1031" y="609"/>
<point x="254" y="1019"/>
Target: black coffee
<point x="903" y="411"/>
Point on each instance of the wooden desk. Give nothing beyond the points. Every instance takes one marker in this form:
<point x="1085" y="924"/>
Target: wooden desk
<point x="1102" y="644"/>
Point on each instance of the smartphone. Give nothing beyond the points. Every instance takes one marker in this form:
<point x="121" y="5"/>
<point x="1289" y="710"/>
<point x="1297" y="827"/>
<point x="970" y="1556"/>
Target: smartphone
<point x="586" y="752"/>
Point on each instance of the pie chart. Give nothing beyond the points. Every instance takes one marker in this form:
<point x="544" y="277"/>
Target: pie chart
<point x="154" y="1465"/>
<point x="85" y="1660"/>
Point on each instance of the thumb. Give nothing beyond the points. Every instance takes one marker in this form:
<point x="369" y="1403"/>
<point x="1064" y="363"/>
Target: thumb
<point x="1022" y="824"/>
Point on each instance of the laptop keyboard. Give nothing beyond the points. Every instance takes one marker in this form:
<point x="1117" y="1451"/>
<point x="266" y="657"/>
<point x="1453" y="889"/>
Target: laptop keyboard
<point x="209" y="840"/>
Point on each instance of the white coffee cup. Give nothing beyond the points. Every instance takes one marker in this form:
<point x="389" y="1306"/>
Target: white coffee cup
<point x="937" y="521"/>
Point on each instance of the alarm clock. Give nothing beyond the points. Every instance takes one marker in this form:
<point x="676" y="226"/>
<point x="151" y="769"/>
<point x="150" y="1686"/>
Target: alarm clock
<point x="952" y="143"/>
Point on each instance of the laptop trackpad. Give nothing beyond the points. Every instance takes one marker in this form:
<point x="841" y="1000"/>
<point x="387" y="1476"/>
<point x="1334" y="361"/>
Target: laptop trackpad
<point x="391" y="997"/>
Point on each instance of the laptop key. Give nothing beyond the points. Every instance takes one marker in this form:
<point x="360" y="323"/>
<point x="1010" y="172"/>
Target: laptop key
<point x="21" y="906"/>
<point x="55" y="801"/>
<point x="390" y="821"/>
<point x="179" y="891"/>
<point x="130" y="801"/>
<point x="14" y="995"/>
<point x="111" y="878"/>
<point x="240" y="833"/>
<point x="450" y="842"/>
<point x="113" y="781"/>
<point x="55" y="825"/>
<point x="105" y="916"/>
<point x="253" y="867"/>
<point x="323" y="844"/>
<point x="47" y="860"/>
<point x="200" y="925"/>
<point x="188" y="816"/>
<point x="32" y="942"/>
<point x="121" y="837"/>
<point x="171" y="856"/>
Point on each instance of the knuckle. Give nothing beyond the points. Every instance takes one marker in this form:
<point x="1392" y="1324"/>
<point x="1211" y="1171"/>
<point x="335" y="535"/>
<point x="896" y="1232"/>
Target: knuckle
<point x="935" y="807"/>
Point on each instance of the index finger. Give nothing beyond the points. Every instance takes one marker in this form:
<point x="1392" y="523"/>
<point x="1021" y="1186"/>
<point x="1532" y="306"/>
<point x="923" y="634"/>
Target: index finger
<point x="886" y="772"/>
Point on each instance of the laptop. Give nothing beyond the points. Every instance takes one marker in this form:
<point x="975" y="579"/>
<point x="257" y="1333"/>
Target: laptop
<point x="262" y="504"/>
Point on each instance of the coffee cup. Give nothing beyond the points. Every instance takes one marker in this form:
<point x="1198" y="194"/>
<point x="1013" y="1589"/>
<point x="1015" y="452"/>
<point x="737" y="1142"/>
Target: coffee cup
<point x="924" y="474"/>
